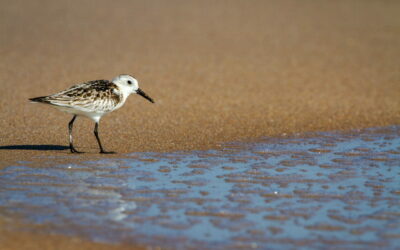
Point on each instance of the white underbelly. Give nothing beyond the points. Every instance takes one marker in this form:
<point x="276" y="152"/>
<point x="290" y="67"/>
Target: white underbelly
<point x="95" y="116"/>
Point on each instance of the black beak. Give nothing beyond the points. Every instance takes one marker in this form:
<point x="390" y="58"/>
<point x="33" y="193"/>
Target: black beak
<point x="140" y="92"/>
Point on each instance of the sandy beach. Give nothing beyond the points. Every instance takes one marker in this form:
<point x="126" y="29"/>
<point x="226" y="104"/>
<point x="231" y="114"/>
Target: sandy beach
<point x="219" y="71"/>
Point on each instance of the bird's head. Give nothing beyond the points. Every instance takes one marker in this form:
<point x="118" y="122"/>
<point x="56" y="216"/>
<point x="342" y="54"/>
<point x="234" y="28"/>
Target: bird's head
<point x="130" y="85"/>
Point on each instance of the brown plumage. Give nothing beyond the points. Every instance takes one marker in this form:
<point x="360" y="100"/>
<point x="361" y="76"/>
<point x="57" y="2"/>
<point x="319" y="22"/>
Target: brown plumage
<point x="98" y="95"/>
<point x="93" y="99"/>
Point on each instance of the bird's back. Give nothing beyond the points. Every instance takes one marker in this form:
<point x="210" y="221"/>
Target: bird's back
<point x="99" y="96"/>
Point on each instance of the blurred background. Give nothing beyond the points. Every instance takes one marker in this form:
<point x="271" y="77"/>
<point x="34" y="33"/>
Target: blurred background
<point x="218" y="70"/>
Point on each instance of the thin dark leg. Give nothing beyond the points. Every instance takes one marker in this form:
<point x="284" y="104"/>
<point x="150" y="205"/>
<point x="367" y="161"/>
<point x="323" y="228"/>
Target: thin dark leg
<point x="96" y="133"/>
<point x="71" y="145"/>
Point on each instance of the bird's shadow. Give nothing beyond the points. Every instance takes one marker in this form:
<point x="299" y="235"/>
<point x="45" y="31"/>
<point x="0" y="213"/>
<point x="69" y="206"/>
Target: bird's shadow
<point x="34" y="147"/>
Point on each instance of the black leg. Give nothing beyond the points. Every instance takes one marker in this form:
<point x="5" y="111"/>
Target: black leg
<point x="71" y="145"/>
<point x="96" y="133"/>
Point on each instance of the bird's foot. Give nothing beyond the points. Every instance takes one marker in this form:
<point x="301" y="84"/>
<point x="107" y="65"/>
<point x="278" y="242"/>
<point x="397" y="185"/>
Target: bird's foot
<point x="74" y="151"/>
<point x="107" y="152"/>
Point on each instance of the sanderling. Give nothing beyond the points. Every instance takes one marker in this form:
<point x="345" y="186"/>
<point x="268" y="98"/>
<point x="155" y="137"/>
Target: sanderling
<point x="93" y="99"/>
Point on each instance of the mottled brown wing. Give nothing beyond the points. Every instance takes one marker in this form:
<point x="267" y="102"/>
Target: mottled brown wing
<point x="93" y="96"/>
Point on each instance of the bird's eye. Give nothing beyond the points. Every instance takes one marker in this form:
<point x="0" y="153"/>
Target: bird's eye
<point x="129" y="82"/>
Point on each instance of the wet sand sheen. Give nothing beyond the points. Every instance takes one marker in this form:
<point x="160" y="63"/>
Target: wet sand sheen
<point x="325" y="189"/>
<point x="25" y="238"/>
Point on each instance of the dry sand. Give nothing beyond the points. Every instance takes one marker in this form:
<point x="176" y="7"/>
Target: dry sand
<point x="219" y="71"/>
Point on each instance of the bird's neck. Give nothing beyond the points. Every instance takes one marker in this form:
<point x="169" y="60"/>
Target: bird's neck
<point x="123" y="94"/>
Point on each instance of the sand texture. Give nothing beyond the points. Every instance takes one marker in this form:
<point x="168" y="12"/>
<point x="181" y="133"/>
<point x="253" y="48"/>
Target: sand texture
<point x="30" y="238"/>
<point x="219" y="71"/>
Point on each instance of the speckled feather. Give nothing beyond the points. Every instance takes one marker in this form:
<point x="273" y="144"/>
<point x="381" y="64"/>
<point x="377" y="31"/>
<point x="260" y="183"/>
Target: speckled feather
<point x="92" y="96"/>
<point x="93" y="99"/>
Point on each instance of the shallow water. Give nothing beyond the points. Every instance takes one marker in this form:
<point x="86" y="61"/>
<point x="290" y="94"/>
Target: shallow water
<point x="323" y="190"/>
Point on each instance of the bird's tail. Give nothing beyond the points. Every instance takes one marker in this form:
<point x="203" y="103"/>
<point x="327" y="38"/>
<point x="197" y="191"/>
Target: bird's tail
<point x="42" y="99"/>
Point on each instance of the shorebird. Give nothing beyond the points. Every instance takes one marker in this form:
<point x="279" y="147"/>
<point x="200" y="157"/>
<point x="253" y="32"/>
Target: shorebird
<point x="93" y="99"/>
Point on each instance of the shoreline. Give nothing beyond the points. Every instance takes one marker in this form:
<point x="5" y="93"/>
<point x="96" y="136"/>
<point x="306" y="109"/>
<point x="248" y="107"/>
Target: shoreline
<point x="37" y="154"/>
<point x="40" y="158"/>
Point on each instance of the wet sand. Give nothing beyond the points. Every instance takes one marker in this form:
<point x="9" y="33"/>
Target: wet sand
<point x="219" y="71"/>
<point x="322" y="190"/>
<point x="24" y="237"/>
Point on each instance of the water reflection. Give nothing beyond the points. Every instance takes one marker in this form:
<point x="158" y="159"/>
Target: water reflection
<point x="321" y="190"/>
